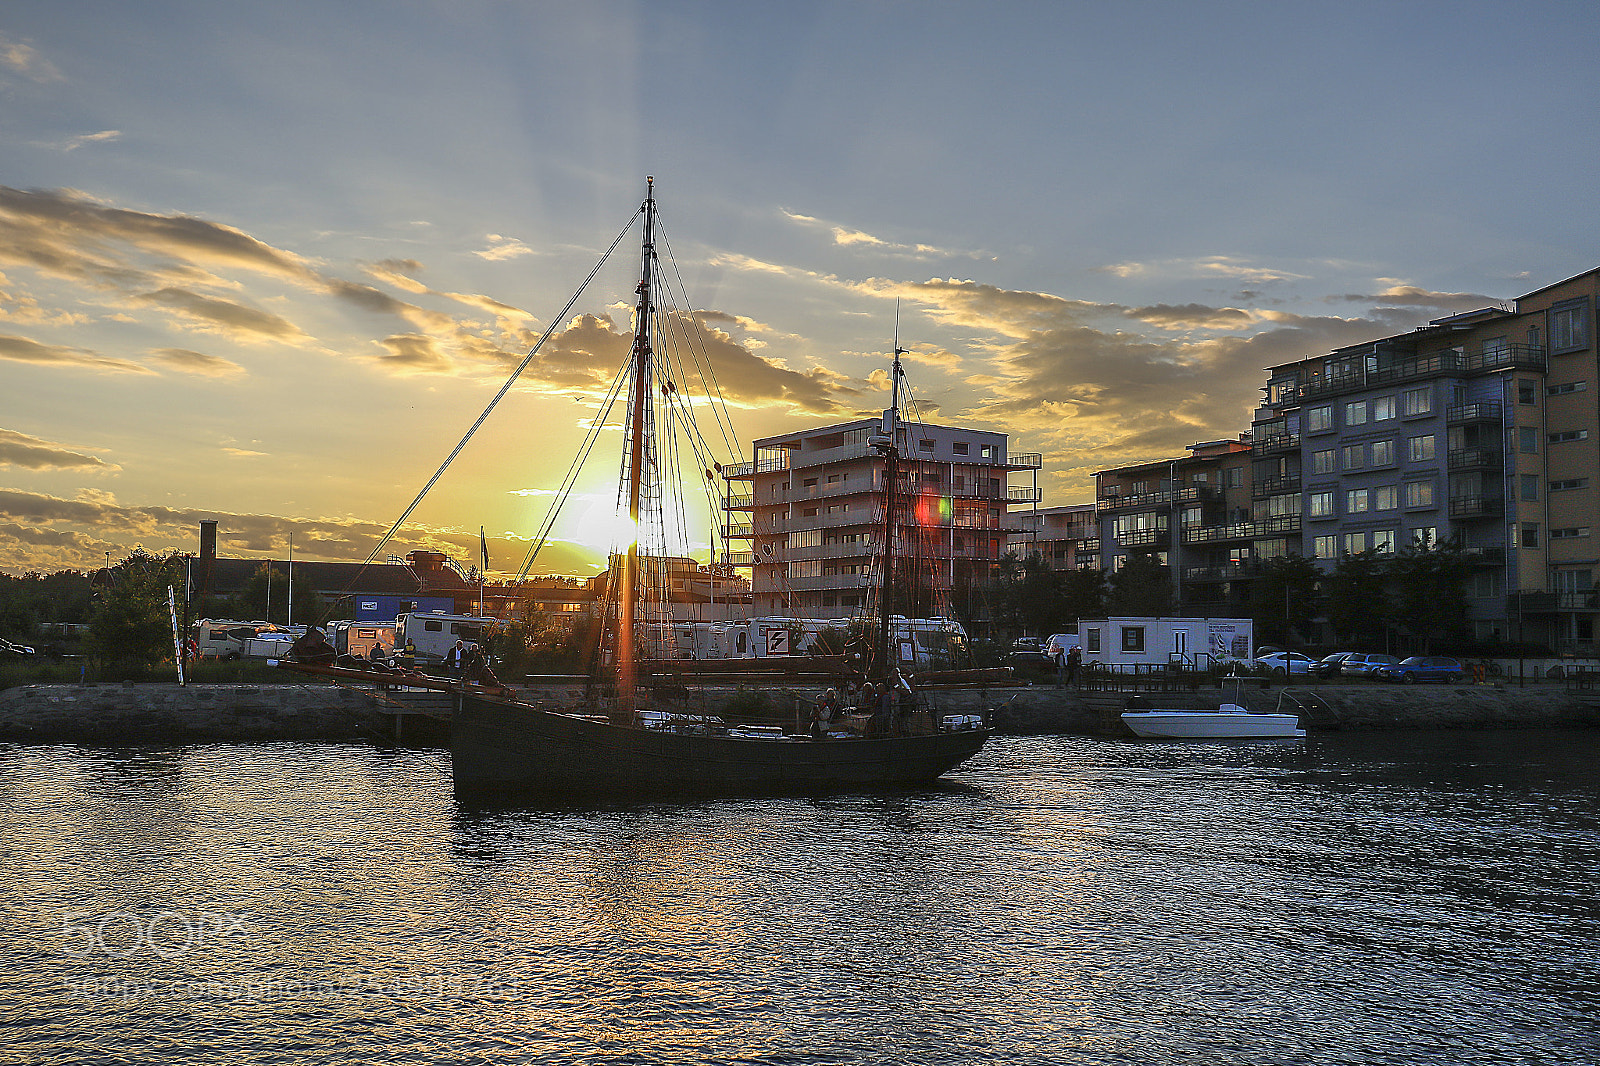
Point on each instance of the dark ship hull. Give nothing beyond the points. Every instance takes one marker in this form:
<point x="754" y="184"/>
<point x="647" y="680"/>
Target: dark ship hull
<point x="499" y="744"/>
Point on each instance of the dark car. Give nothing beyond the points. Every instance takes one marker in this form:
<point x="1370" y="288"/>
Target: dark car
<point x="1423" y="668"/>
<point x="1365" y="664"/>
<point x="1328" y="665"/>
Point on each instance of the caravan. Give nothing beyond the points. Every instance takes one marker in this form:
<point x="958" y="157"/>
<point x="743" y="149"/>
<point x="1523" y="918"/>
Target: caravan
<point x="1127" y="642"/>
<point x="435" y="634"/>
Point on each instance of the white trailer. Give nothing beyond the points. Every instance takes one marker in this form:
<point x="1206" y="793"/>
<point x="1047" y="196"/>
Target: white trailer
<point x="1194" y="643"/>
<point x="435" y="634"/>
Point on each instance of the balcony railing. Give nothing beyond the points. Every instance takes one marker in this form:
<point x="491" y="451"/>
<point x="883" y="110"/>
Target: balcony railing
<point x="1473" y="412"/>
<point x="1187" y="494"/>
<point x="1025" y="460"/>
<point x="1526" y="356"/>
<point x="1271" y="527"/>
<point x="1474" y="459"/>
<point x="1476" y="506"/>
<point x="1139" y="538"/>
<point x="741" y="559"/>
<point x="1278" y="442"/>
<point x="1024" y="494"/>
<point x="741" y="502"/>
<point x="1229" y="572"/>
<point x="1275" y="486"/>
<point x="738" y="529"/>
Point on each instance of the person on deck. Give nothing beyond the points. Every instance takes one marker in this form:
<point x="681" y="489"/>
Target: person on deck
<point x="456" y="660"/>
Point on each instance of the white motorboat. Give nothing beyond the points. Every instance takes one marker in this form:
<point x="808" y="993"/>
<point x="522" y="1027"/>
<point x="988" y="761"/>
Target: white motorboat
<point x="1229" y="721"/>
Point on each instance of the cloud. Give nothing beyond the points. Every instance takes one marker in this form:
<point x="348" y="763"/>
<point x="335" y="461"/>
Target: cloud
<point x="503" y="248"/>
<point x="412" y="353"/>
<point x="223" y="316"/>
<point x="35" y="453"/>
<point x="20" y="57"/>
<point x="23" y="350"/>
<point x="1400" y="295"/>
<point x="1192" y="316"/>
<point x="91" y="138"/>
<point x="196" y="362"/>
<point x="1225" y="266"/>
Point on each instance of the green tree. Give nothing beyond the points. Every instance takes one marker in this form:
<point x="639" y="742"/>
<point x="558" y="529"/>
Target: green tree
<point x="268" y="588"/>
<point x="1142" y="587"/>
<point x="1356" y="597"/>
<point x="1284" y="598"/>
<point x="1083" y="595"/>
<point x="1428" y="583"/>
<point x="131" y="629"/>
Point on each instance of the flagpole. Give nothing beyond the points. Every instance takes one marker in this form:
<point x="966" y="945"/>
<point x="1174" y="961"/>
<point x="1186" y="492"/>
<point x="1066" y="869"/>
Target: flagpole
<point x="483" y="566"/>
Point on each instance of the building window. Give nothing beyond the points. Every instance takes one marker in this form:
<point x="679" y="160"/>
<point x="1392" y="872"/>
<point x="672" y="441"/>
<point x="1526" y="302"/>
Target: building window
<point x="1530" y="535"/>
<point x="925" y="445"/>
<point x="1355" y="543"/>
<point x="1424" y="536"/>
<point x="1567" y="484"/>
<point x="1355" y="501"/>
<point x="1530" y="488"/>
<point x="1419" y="494"/>
<point x="1382" y="408"/>
<point x="1569" y="326"/>
<point x="1133" y="638"/>
<point x="1321" y="504"/>
<point x="1383" y="453"/>
<point x="1326" y="547"/>
<point x="1355" y="414"/>
<point x="1528" y="440"/>
<point x="1353" y="456"/>
<point x="1383" y="541"/>
<point x="1322" y="462"/>
<point x="1319" y="419"/>
<point x="1569" y="435"/>
<point x="1233" y="478"/>
<point x="1569" y="534"/>
<point x="959" y="447"/>
<point x="1386" y="497"/>
<point x="1418" y="402"/>
<point x="986" y="451"/>
<point x="1421" y="448"/>
<point x="1527" y="391"/>
<point x="1486" y="585"/>
<point x="1566" y="387"/>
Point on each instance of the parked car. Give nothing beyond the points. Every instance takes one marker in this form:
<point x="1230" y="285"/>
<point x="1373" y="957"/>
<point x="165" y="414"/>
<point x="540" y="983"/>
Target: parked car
<point x="8" y="648"/>
<point x="1283" y="663"/>
<point x="1423" y="668"/>
<point x="1030" y="660"/>
<point x="1363" y="664"/>
<point x="1328" y="665"/>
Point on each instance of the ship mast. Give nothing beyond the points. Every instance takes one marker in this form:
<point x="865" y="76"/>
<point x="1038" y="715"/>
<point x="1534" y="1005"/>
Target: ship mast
<point x="639" y="397"/>
<point x="887" y="442"/>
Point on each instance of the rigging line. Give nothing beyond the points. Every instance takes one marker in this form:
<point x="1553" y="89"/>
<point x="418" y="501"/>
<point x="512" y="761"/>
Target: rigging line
<point x="720" y="408"/>
<point x="571" y="477"/>
<point x="688" y="326"/>
<point x="498" y="396"/>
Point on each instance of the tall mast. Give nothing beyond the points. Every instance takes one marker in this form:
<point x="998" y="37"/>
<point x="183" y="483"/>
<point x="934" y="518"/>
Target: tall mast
<point x="888" y="443"/>
<point x="627" y="668"/>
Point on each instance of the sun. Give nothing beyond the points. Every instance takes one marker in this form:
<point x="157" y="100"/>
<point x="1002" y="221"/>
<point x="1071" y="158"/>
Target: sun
<point x="603" y="528"/>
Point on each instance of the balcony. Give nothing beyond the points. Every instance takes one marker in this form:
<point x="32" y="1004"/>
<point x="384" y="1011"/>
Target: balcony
<point x="1144" y="538"/>
<point x="1024" y="461"/>
<point x="1485" y="556"/>
<point x="1474" y="459"/>
<point x="740" y="502"/>
<point x="1275" y="486"/>
<point x="1271" y="527"/>
<point x="829" y="581"/>
<point x="1187" y="494"/>
<point x="741" y="530"/>
<point x="1228" y="572"/>
<point x="1473" y="412"/>
<point x="1279" y="442"/>
<point x="1476" y="506"/>
<point x="740" y="559"/>
<point x="1505" y="356"/>
<point x="1024" y="494"/>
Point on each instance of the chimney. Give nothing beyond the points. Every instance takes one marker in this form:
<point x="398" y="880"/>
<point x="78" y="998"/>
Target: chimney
<point x="208" y="540"/>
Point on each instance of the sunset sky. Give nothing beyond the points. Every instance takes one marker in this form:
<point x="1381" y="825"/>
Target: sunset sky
<point x="266" y="263"/>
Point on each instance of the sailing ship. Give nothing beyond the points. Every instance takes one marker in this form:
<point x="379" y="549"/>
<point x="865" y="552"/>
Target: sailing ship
<point x="625" y="739"/>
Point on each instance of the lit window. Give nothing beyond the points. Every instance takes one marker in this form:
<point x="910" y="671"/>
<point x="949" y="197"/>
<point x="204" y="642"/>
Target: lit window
<point x="1419" y="494"/>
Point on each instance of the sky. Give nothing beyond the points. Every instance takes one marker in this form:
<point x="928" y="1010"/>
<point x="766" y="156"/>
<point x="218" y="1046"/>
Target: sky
<point x="266" y="264"/>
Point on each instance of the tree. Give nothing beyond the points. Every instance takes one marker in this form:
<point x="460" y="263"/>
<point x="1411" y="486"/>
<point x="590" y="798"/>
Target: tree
<point x="132" y="625"/>
<point x="1142" y="587"/>
<point x="1356" y="596"/>
<point x="1285" y="598"/>
<point x="268" y="588"/>
<point x="1429" y="590"/>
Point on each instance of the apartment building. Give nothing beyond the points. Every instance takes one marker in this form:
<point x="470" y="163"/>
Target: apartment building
<point x="1478" y="429"/>
<point x="1194" y="513"/>
<point x="814" y="501"/>
<point x="1066" y="538"/>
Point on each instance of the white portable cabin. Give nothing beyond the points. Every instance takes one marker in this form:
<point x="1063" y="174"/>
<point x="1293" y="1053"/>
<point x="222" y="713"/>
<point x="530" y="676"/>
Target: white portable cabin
<point x="919" y="641"/>
<point x="358" y="638"/>
<point x="1195" y="643"/>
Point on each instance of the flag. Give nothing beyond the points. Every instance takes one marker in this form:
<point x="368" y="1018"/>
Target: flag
<point x="483" y="550"/>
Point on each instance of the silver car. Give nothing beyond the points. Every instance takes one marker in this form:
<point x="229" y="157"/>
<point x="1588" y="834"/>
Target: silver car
<point x="1361" y="664"/>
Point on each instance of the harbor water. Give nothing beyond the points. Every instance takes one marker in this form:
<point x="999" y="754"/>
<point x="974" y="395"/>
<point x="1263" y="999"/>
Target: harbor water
<point x="1352" y="898"/>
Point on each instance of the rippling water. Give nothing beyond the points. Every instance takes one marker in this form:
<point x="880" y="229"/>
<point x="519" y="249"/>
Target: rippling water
<point x="1401" y="898"/>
